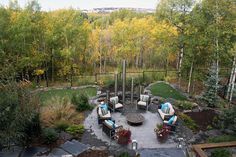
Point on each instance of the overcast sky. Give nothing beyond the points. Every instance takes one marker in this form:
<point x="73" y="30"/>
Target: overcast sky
<point x="89" y="4"/>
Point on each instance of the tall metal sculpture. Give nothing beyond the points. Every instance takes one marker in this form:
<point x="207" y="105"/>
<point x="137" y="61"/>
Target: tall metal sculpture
<point x="132" y="90"/>
<point x="123" y="81"/>
<point x="116" y="83"/>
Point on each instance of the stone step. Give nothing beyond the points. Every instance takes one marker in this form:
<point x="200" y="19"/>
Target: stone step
<point x="74" y="147"/>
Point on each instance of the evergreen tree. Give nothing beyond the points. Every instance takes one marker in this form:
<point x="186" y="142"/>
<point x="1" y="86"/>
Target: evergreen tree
<point x="211" y="84"/>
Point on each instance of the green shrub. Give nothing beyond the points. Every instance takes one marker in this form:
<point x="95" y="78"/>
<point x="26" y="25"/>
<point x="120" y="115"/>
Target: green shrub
<point x="49" y="135"/>
<point x="138" y="80"/>
<point x="188" y="122"/>
<point x="109" y="83"/>
<point x="124" y="154"/>
<point x="221" y="153"/>
<point x="159" y="126"/>
<point x="81" y="102"/>
<point x="228" y="119"/>
<point x="184" y="105"/>
<point x="19" y="117"/>
<point x="209" y="127"/>
<point x="223" y="138"/>
<point x="61" y="125"/>
<point x="75" y="129"/>
<point x="33" y="128"/>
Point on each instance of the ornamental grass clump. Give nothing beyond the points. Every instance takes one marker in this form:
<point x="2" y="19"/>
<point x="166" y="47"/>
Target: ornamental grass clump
<point x="58" y="110"/>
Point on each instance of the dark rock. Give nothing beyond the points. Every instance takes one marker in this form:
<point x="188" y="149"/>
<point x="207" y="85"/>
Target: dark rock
<point x="65" y="136"/>
<point x="228" y="131"/>
<point x="31" y="151"/>
<point x="12" y="152"/>
<point x="57" y="152"/>
<point x="74" y="147"/>
<point x="195" y="139"/>
<point x="89" y="138"/>
<point x="101" y="148"/>
<point x="198" y="138"/>
<point x="213" y="133"/>
<point x="197" y="109"/>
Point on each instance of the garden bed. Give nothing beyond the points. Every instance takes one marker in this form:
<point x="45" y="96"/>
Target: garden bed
<point x="204" y="119"/>
<point x="95" y="153"/>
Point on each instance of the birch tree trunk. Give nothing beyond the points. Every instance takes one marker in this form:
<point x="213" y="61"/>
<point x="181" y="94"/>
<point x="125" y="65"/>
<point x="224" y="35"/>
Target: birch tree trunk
<point x="190" y="77"/>
<point x="230" y="81"/>
<point x="217" y="47"/>
<point x="230" y="88"/>
<point x="217" y="64"/>
<point x="181" y="55"/>
<point x="177" y="62"/>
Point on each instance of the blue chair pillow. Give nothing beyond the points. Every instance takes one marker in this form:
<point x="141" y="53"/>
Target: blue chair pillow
<point x="104" y="106"/>
<point x="164" y="108"/>
<point x="171" y="120"/>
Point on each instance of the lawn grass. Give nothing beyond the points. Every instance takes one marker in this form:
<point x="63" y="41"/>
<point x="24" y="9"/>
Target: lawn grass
<point x="166" y="91"/>
<point x="47" y="95"/>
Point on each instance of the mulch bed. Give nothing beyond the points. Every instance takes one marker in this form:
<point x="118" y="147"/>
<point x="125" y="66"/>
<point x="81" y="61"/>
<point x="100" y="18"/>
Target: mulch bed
<point x="203" y="118"/>
<point x="95" y="153"/>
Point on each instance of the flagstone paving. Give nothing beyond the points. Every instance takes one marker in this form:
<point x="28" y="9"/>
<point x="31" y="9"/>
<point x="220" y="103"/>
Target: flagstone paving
<point x="144" y="133"/>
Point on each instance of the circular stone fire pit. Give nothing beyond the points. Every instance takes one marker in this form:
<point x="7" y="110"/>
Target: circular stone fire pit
<point x="135" y="119"/>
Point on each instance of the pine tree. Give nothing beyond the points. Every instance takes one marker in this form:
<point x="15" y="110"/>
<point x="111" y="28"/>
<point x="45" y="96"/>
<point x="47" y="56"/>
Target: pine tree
<point x="211" y="84"/>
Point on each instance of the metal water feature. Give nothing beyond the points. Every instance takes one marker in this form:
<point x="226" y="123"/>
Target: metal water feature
<point x="123" y="81"/>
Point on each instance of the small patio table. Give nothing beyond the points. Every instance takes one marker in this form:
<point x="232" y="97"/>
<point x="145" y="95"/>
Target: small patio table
<point x="135" y="119"/>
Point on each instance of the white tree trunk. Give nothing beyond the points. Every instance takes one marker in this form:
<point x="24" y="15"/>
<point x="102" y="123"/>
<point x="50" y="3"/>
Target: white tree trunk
<point x="181" y="55"/>
<point x="190" y="77"/>
<point x="181" y="58"/>
<point x="217" y="46"/>
<point x="232" y="85"/>
<point x="217" y="64"/>
<point x="230" y="88"/>
<point x="177" y="63"/>
<point x="230" y="80"/>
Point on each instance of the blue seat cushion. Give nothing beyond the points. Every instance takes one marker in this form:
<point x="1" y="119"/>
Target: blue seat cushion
<point x="171" y="120"/>
<point x="111" y="123"/>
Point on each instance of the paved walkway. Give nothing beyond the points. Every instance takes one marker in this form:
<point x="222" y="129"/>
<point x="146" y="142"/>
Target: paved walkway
<point x="144" y="134"/>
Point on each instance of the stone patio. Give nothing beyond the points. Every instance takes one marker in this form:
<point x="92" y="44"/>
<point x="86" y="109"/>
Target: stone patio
<point x="144" y="133"/>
